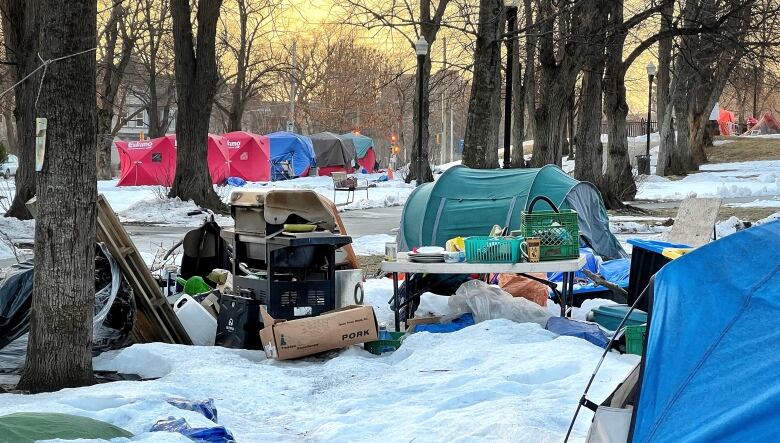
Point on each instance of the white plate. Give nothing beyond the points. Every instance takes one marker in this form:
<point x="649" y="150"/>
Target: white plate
<point x="430" y="250"/>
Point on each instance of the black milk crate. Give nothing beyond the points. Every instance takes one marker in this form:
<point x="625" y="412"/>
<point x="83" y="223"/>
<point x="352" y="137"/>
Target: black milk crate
<point x="299" y="299"/>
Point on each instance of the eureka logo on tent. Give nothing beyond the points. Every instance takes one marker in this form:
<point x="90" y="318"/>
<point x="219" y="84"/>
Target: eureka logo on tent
<point x="234" y="145"/>
<point x="140" y="144"/>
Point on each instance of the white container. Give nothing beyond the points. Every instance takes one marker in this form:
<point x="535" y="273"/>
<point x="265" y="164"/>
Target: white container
<point x="349" y="287"/>
<point x="196" y="320"/>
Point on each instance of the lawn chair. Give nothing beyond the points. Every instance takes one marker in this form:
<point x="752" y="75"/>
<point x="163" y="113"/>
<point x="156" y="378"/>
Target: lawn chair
<point x="342" y="182"/>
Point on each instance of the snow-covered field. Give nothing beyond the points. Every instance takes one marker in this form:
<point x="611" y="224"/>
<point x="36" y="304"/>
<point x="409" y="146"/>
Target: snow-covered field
<point x="497" y="380"/>
<point x="743" y="179"/>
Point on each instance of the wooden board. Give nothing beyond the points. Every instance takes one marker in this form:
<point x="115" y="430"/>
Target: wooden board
<point x="695" y="221"/>
<point x="155" y="320"/>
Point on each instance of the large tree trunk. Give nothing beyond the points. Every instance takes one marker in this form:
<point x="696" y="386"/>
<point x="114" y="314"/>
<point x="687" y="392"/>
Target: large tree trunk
<point x="529" y="78"/>
<point x="663" y="92"/>
<point x="480" y="149"/>
<point x="518" y="113"/>
<point x="549" y="120"/>
<point x="619" y="182"/>
<point x="589" y="164"/>
<point x="196" y="79"/>
<point x="59" y="352"/>
<point x="104" y="140"/>
<point x="20" y="28"/>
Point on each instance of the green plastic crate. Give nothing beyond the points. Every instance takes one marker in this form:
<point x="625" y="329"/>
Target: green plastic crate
<point x="635" y="339"/>
<point x="558" y="231"/>
<point x="378" y="347"/>
<point x="493" y="249"/>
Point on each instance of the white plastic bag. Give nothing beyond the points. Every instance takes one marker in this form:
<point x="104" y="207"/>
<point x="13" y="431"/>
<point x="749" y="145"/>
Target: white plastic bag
<point x="487" y="302"/>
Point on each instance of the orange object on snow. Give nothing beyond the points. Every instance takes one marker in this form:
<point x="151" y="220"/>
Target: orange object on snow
<point x="726" y="122"/>
<point x="389" y="173"/>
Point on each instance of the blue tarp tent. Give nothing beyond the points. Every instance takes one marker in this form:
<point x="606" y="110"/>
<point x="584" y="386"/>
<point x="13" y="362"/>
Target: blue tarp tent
<point x="710" y="367"/>
<point x="464" y="202"/>
<point x="293" y="148"/>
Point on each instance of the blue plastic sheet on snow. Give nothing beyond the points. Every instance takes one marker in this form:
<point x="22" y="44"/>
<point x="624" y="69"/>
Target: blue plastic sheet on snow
<point x="579" y="329"/>
<point x="711" y="369"/>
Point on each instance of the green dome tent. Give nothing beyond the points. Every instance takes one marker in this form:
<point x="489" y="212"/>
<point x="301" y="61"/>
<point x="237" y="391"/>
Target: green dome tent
<point x="464" y="202"/>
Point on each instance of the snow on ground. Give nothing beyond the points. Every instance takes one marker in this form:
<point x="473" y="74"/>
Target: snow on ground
<point x="145" y="204"/>
<point x="722" y="142"/>
<point x="734" y="224"/>
<point x="435" y="387"/>
<point x="371" y="244"/>
<point x="773" y="203"/>
<point x="742" y="179"/>
<point x="12" y="231"/>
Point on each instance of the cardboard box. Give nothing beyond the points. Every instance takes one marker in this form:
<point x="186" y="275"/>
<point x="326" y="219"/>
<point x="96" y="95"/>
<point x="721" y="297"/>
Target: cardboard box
<point x="412" y="323"/>
<point x="284" y="340"/>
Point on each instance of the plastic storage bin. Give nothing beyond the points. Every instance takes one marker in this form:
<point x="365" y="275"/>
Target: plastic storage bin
<point x="610" y="316"/>
<point x="635" y="339"/>
<point x="389" y="344"/>
<point x="493" y="249"/>
<point x="557" y="230"/>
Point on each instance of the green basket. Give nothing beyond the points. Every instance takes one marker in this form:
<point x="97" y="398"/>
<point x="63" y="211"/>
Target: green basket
<point x="635" y="339"/>
<point x="493" y="249"/>
<point x="378" y="347"/>
<point x="557" y="230"/>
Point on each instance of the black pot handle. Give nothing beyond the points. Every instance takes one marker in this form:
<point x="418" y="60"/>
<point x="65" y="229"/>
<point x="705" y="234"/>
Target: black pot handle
<point x="541" y="197"/>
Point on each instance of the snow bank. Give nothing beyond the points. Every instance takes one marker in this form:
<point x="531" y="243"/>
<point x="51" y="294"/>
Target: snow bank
<point x="734" y="224"/>
<point x="371" y="244"/>
<point x="774" y="203"/>
<point x="435" y="387"/>
<point x="168" y="212"/>
<point x="13" y="231"/>
<point x="743" y="179"/>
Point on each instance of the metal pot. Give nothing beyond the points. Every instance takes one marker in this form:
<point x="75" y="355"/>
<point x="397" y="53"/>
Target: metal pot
<point x="349" y="287"/>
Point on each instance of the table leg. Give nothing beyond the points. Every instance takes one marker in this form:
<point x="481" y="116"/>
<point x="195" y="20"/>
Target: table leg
<point x="396" y="304"/>
<point x="563" y="293"/>
<point x="571" y="290"/>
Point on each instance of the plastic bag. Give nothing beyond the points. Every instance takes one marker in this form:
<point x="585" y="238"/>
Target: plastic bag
<point x="113" y="316"/>
<point x="487" y="303"/>
<point x="205" y="407"/>
<point x="216" y="434"/>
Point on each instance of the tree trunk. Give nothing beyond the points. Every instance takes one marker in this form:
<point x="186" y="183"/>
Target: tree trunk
<point x="619" y="182"/>
<point x="518" y="113"/>
<point x="480" y="149"/>
<point x="663" y="92"/>
<point x="59" y="352"/>
<point x="20" y="27"/>
<point x="196" y="78"/>
<point x="413" y="173"/>
<point x="10" y="131"/>
<point x="549" y="120"/>
<point x="104" y="141"/>
<point x="589" y="164"/>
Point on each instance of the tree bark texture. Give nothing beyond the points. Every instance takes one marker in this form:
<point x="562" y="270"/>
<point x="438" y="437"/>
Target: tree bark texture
<point x="518" y="112"/>
<point x="59" y="352"/>
<point x="480" y="149"/>
<point x="590" y="151"/>
<point x="20" y="28"/>
<point x="529" y="77"/>
<point x="619" y="182"/>
<point x="196" y="81"/>
<point x="663" y="91"/>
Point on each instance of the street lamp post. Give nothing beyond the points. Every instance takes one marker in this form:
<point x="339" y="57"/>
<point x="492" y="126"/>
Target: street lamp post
<point x="643" y="162"/>
<point x="421" y="48"/>
<point x="511" y="27"/>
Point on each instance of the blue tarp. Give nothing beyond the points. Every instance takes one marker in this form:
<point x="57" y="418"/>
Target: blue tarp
<point x="711" y="361"/>
<point x="579" y="329"/>
<point x="614" y="271"/>
<point x="654" y="245"/>
<point x="457" y="324"/>
<point x="294" y="148"/>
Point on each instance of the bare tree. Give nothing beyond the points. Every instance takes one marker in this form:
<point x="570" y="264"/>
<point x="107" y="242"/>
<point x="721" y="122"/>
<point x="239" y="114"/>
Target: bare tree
<point x="118" y="37"/>
<point x="59" y="352"/>
<point x="20" y="30"/>
<point x="249" y="62"/>
<point x="196" y="81"/>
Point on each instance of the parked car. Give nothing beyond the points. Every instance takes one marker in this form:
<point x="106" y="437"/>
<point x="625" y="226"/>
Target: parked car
<point x="10" y="166"/>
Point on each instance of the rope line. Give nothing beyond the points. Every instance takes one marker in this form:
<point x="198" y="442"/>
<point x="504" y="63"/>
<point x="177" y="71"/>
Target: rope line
<point x="44" y="65"/>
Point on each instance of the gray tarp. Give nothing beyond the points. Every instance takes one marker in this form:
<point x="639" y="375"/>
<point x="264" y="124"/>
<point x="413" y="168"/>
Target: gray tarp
<point x="333" y="150"/>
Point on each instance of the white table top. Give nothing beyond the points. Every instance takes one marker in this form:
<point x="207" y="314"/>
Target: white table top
<point x="404" y="265"/>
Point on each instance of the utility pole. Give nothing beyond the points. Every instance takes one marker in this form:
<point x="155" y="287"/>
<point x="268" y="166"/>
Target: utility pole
<point x="293" y="89"/>
<point x="452" y="136"/>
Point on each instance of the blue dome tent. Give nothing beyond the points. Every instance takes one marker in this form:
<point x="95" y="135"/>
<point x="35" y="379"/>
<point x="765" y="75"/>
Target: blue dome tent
<point x="293" y="148"/>
<point x="464" y="202"/>
<point x="709" y="372"/>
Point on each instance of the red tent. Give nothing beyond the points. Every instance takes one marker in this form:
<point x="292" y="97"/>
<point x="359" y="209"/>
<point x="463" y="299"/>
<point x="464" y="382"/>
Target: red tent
<point x="249" y="155"/>
<point x="726" y="121"/>
<point x="147" y="162"/>
<point x="368" y="161"/>
<point x="218" y="157"/>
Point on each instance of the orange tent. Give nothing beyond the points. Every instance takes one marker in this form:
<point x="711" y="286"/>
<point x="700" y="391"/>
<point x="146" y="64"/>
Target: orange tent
<point x="726" y="122"/>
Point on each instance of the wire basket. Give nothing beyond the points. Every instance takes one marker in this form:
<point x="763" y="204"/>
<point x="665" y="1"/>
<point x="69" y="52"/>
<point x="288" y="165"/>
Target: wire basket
<point x="557" y="230"/>
<point x="493" y="249"/>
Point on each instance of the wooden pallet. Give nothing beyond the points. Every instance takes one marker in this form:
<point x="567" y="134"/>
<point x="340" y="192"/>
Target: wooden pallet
<point x="155" y="320"/>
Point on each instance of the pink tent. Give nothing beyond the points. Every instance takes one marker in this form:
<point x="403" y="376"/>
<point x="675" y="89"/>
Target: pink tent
<point x="147" y="162"/>
<point x="249" y="156"/>
<point x="368" y="161"/>
<point x="218" y="157"/>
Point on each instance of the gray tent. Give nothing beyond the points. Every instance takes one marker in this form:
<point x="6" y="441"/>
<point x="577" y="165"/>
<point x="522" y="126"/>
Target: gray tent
<point x="333" y="150"/>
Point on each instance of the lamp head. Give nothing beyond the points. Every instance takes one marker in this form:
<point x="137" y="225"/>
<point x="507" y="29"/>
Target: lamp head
<point x="421" y="46"/>
<point x="651" y="69"/>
